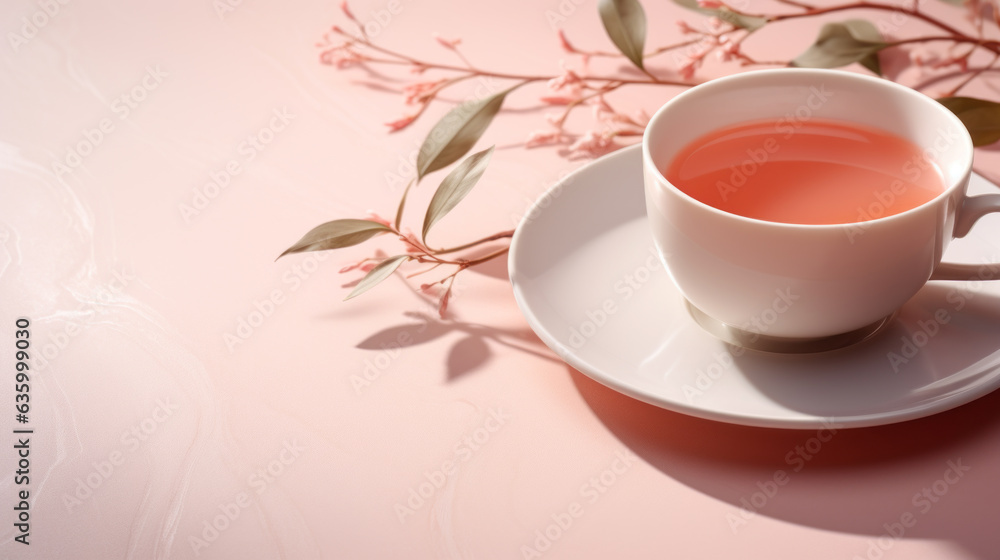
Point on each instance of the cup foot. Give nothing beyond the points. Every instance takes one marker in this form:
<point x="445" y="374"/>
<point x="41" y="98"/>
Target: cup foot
<point x="784" y="345"/>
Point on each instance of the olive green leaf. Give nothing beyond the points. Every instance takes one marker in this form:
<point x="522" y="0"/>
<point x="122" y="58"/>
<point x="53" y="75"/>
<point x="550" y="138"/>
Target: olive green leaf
<point x="455" y="134"/>
<point x="336" y="234"/>
<point x="864" y="30"/>
<point x="625" y="23"/>
<point x="377" y="274"/>
<point x="751" y="23"/>
<point x="840" y="44"/>
<point x="455" y="186"/>
<point x="981" y="117"/>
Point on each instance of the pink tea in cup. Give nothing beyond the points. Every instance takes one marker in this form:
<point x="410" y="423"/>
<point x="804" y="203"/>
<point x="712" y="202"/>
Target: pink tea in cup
<point x="819" y="171"/>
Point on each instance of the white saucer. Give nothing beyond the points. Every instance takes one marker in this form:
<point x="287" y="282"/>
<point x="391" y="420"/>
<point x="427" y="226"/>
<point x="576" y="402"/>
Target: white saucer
<point x="586" y="277"/>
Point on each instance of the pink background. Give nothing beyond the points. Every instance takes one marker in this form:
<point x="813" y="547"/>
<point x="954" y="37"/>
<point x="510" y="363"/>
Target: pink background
<point x="268" y="438"/>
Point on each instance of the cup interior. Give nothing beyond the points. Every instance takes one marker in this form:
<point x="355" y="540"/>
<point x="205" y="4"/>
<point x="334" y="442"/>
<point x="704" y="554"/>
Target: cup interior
<point x="794" y="96"/>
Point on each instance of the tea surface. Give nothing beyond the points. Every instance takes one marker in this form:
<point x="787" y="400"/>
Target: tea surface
<point x="823" y="172"/>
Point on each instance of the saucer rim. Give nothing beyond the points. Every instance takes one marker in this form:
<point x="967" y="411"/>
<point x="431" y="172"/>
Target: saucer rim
<point x="978" y="389"/>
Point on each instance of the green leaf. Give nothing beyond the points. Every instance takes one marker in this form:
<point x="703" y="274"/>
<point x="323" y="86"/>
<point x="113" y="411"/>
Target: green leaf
<point x="865" y="31"/>
<point x="402" y="204"/>
<point x="336" y="234"/>
<point x="872" y="63"/>
<point x="751" y="23"/>
<point x="981" y="117"/>
<point x="377" y="274"/>
<point x="625" y="22"/>
<point x="457" y="132"/>
<point x="455" y="186"/>
<point x="840" y="44"/>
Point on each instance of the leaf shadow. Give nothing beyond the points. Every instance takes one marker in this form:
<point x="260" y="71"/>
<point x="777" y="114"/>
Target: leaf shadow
<point x="470" y="353"/>
<point x="466" y="356"/>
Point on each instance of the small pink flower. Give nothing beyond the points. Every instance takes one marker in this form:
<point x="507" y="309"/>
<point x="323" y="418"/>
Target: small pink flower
<point x="600" y="105"/>
<point x="976" y="10"/>
<point x="921" y="56"/>
<point x="686" y="71"/>
<point x="555" y="119"/>
<point x="367" y="267"/>
<point x="685" y="27"/>
<point x="402" y="123"/>
<point x="590" y="144"/>
<point x="347" y="11"/>
<point x="413" y="245"/>
<point x="544" y="138"/>
<point x="341" y="57"/>
<point x="418" y="92"/>
<point x="450" y="44"/>
<point x="730" y="49"/>
<point x="715" y="23"/>
<point x="567" y="78"/>
<point x="558" y="99"/>
<point x="961" y="61"/>
<point x="710" y="4"/>
<point x="443" y="305"/>
<point x="565" y="44"/>
<point x="372" y="216"/>
<point x="606" y="114"/>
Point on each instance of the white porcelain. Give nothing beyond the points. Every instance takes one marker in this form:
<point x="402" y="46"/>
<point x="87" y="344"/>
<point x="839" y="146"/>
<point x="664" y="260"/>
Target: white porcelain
<point x="587" y="277"/>
<point x="806" y="281"/>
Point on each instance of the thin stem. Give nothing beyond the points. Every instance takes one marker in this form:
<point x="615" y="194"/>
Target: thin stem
<point x="426" y="270"/>
<point x="654" y="52"/>
<point x="487" y="239"/>
<point x="416" y="62"/>
<point x="607" y="88"/>
<point x="863" y="5"/>
<point x="988" y="44"/>
<point x="488" y="257"/>
<point x="675" y="46"/>
<point x="525" y="78"/>
<point x="797" y="4"/>
<point x="973" y="75"/>
<point x="461" y="57"/>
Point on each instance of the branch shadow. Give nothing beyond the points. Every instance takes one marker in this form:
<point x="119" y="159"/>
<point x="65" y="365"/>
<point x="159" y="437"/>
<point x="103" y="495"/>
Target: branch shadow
<point x="494" y="268"/>
<point x="468" y="354"/>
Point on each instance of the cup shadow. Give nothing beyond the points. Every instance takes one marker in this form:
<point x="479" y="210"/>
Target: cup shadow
<point x="856" y="482"/>
<point x="945" y="339"/>
<point x="859" y="480"/>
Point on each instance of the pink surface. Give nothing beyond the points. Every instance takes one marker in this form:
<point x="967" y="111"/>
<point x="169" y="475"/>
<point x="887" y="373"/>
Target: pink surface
<point x="471" y="439"/>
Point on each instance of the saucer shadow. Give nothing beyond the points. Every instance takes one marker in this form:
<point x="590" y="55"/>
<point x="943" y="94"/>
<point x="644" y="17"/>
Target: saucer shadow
<point x="852" y="480"/>
<point x="945" y="339"/>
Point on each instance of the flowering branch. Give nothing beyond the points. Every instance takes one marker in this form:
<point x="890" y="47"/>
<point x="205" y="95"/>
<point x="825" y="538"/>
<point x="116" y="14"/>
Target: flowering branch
<point x="722" y="34"/>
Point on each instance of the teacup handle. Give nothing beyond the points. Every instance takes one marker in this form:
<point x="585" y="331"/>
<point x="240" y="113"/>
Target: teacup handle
<point x="973" y="208"/>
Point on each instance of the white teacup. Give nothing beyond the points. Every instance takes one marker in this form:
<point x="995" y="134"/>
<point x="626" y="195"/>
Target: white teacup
<point x="789" y="287"/>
